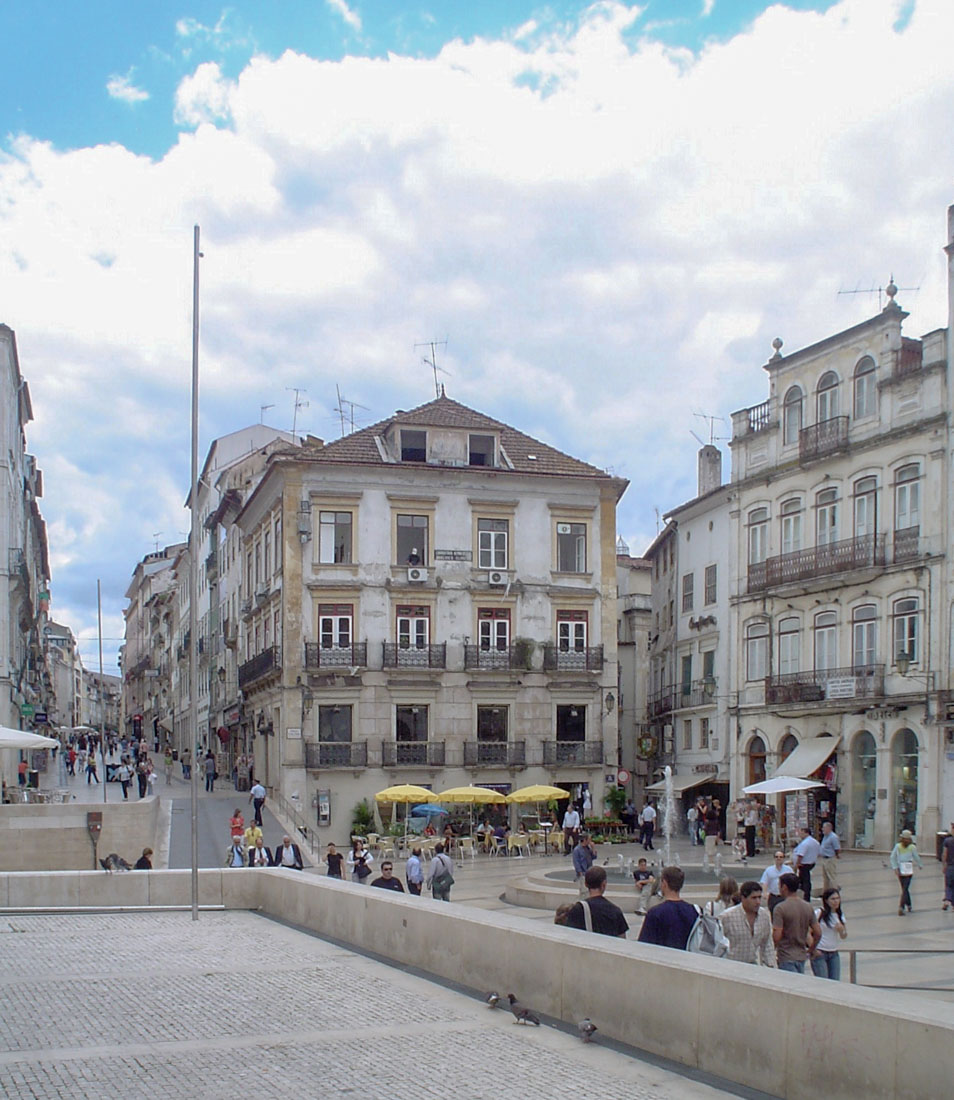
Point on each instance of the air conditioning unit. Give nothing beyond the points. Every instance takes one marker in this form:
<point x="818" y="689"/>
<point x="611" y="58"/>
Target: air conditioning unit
<point x="416" y="574"/>
<point x="496" y="578"/>
<point x="563" y="529"/>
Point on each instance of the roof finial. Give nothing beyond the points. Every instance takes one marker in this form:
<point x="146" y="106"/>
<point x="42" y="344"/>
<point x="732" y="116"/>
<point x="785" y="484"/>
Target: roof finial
<point x="777" y="344"/>
<point x="890" y="290"/>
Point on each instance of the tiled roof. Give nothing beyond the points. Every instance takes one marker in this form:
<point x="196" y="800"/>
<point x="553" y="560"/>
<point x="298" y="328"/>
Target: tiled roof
<point x="527" y="455"/>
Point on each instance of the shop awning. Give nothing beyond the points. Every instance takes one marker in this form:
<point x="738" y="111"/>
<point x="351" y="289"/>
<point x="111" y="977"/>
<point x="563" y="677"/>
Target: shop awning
<point x="808" y="757"/>
<point x="684" y="782"/>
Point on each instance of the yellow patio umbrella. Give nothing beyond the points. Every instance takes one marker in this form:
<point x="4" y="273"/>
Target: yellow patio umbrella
<point x="538" y="792"/>
<point x="405" y="793"/>
<point x="471" y="795"/>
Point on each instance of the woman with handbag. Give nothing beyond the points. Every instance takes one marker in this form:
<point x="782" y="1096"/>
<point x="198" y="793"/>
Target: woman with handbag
<point x="904" y="856"/>
<point x="440" y="878"/>
<point x="359" y="862"/>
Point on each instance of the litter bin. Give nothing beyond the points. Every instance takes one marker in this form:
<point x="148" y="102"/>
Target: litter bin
<point x="33" y="779"/>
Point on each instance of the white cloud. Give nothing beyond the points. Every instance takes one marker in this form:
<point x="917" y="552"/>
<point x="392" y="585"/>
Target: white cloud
<point x="348" y="14"/>
<point x="609" y="231"/>
<point x="122" y="88"/>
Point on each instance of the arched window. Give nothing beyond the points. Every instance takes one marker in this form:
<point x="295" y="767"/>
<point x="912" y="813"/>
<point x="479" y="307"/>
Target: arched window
<point x="826" y="517"/>
<point x="905" y="769"/>
<point x="756" y="651"/>
<point x="788" y="646"/>
<point x="864" y="637"/>
<point x="788" y="746"/>
<point x="907" y="497"/>
<point x="792" y="415"/>
<point x="866" y="392"/>
<point x="826" y="640"/>
<point x="758" y="535"/>
<point x="866" y="507"/>
<point x="864" y="802"/>
<point x="906" y="632"/>
<point x="791" y="516"/>
<point x="827" y="396"/>
<point x="756" y="760"/>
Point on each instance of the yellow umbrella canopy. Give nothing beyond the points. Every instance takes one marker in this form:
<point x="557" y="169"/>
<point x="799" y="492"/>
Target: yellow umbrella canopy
<point x="471" y="795"/>
<point x="405" y="792"/>
<point x="537" y="793"/>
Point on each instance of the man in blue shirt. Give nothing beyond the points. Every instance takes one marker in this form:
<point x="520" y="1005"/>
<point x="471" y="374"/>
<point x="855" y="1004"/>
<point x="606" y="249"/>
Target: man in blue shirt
<point x="806" y="855"/>
<point x="584" y="856"/>
<point x="669" y="924"/>
<point x="829" y="853"/>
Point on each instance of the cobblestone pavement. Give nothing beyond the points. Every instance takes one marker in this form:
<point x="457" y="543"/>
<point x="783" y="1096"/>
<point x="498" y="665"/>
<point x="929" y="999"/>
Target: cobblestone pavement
<point x="234" y="1005"/>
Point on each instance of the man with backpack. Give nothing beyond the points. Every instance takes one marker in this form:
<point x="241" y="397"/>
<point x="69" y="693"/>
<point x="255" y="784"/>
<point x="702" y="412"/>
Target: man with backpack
<point x="596" y="913"/>
<point x="669" y="923"/>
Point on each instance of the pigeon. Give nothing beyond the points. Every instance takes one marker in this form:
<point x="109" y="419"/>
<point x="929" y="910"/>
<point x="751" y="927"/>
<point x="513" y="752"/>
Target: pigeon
<point x="586" y="1029"/>
<point x="522" y="1015"/>
<point x="493" y="999"/>
<point x="114" y="862"/>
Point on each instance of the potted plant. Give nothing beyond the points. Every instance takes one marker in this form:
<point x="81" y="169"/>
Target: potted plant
<point x="523" y="652"/>
<point x="362" y="819"/>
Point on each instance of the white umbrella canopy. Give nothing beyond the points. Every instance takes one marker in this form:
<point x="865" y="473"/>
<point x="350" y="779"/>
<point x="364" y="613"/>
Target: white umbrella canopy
<point x="21" y="739"/>
<point x="780" y="784"/>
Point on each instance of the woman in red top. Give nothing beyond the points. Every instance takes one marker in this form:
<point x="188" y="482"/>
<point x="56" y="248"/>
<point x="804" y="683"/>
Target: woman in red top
<point x="237" y="824"/>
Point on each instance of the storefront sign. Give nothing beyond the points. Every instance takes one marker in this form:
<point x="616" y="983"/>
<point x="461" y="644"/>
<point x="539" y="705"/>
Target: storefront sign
<point x="700" y="769"/>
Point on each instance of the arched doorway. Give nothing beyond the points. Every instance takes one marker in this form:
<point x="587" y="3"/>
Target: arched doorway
<point x="756" y="761"/>
<point x="863" y="791"/>
<point x="904" y="768"/>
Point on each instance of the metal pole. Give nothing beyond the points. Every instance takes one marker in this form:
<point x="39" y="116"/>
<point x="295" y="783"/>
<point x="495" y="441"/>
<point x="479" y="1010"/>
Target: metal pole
<point x="102" y="705"/>
<point x="193" y="730"/>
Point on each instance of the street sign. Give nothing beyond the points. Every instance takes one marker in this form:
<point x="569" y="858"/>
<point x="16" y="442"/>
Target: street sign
<point x="27" y="710"/>
<point x="40" y="717"/>
<point x="622" y="776"/>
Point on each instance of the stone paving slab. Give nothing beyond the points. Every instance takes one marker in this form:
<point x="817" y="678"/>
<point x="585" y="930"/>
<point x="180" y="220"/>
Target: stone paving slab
<point x="232" y="1005"/>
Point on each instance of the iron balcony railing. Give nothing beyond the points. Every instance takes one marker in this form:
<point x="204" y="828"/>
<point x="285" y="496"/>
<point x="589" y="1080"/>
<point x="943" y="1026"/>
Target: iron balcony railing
<point x="425" y="656"/>
<point x="818" y="561"/>
<point x="572" y="752"/>
<point x="336" y="656"/>
<point x="261" y="665"/>
<point x="336" y="754"/>
<point x="826" y="684"/>
<point x="476" y="656"/>
<point x="585" y="659"/>
<point x="495" y="754"/>
<point x="212" y="566"/>
<point x="661" y="702"/>
<point x="760" y="416"/>
<point x="907" y="543"/>
<point x="824" y="438"/>
<point x="412" y="754"/>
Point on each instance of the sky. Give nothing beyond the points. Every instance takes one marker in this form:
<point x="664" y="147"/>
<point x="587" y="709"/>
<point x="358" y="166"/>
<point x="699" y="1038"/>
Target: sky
<point x="607" y="211"/>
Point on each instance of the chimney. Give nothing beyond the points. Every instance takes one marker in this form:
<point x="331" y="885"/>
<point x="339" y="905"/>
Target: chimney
<point x="710" y="469"/>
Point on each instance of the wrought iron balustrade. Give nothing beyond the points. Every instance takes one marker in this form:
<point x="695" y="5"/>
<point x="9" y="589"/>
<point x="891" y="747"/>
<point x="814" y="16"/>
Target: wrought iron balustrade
<point x="572" y="752"/>
<point x="817" y="561"/>
<point x="823" y="438"/>
<point x="425" y="656"/>
<point x="820" y="684"/>
<point x="261" y="665"/>
<point x="584" y="659"/>
<point x="501" y="754"/>
<point x="336" y="656"/>
<point x="336" y="754"/>
<point x="412" y="754"/>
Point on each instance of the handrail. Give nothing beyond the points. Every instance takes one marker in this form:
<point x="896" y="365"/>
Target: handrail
<point x="854" y="952"/>
<point x="301" y="826"/>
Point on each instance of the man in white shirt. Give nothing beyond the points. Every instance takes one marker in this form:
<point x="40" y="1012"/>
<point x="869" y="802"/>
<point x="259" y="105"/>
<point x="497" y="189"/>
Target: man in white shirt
<point x="288" y="854"/>
<point x="751" y="826"/>
<point x="647" y="820"/>
<point x="806" y="856"/>
<point x="829" y="852"/>
<point x="257" y="798"/>
<point x="692" y="816"/>
<point x="769" y="880"/>
<point x="571" y="828"/>
<point x="748" y="928"/>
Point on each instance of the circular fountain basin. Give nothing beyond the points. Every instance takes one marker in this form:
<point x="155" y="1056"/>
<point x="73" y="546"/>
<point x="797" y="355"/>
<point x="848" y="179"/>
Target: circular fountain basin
<point x="617" y="876"/>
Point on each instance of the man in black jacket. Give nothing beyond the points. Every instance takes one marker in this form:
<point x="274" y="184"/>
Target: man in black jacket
<point x="287" y="854"/>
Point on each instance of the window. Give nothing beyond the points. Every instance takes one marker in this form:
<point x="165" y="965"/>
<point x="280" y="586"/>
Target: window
<point x="864" y="636"/>
<point x="413" y="446"/>
<point x="410" y="723"/>
<point x="712" y="573"/>
<point x="826" y="517"/>
<point x="756" y="651"/>
<point x="906" y="629"/>
<point x="334" y="724"/>
<point x="258" y="564"/>
<point x="703" y="733"/>
<point x="492" y="536"/>
<point x="571" y="631"/>
<point x="277" y="528"/>
<point x="758" y="536"/>
<point x="826" y="640"/>
<point x="335" y="625"/>
<point x="412" y="539"/>
<point x="571" y="547"/>
<point x="493" y="627"/>
<point x="866" y="392"/>
<point x="792" y="415"/>
<point x="277" y="623"/>
<point x="708" y="670"/>
<point x="334" y="538"/>
<point x="685" y="678"/>
<point x="788" y="646"/>
<point x="791" y="512"/>
<point x="481" y="450"/>
<point x="827" y="396"/>
<point x="866" y="507"/>
<point x="413" y="627"/>
<point x="492" y="724"/>
<point x="687" y="585"/>
<point x="571" y="723"/>
<point x="907" y="498"/>
<point x="687" y="734"/>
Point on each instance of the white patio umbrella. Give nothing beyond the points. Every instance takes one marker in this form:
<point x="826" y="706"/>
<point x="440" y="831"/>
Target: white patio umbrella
<point x="21" y="739"/>
<point x="780" y="784"/>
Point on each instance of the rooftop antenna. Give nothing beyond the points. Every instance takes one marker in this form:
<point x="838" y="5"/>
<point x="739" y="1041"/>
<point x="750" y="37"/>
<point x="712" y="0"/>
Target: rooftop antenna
<point x="890" y="290"/>
<point x="432" y="362"/>
<point x="340" y="408"/>
<point x="264" y="409"/>
<point x="656" y="510"/>
<point x="299" y="404"/>
<point x="155" y="537"/>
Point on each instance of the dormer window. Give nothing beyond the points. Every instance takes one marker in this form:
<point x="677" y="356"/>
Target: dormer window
<point x="482" y="450"/>
<point x="413" y="446"/>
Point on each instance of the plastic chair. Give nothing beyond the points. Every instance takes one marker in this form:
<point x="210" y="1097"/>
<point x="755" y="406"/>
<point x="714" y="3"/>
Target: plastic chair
<point x="466" y="846"/>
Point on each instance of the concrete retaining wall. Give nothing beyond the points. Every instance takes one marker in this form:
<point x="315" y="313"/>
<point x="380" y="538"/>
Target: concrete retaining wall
<point x="785" y="1034"/>
<point x="55" y="836"/>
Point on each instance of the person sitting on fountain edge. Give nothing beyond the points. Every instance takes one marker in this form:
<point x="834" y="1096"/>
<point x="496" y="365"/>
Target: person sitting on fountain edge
<point x="645" y="882"/>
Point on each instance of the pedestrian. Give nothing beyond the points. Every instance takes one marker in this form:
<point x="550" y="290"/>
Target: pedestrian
<point x="748" y="928"/>
<point x="584" y="856"/>
<point x="151" y="776"/>
<point x="251" y="836"/>
<point x="257" y="798"/>
<point x="236" y="824"/>
<point x="235" y="854"/>
<point x="806" y="856"/>
<point x="596" y="913"/>
<point x="125" y="778"/>
<point x="440" y="878"/>
<point x="947" y="867"/>
<point x="359" y="862"/>
<point x="71" y="760"/>
<point x="647" y="820"/>
<point x="22" y="768"/>
<point x="258" y="854"/>
<point x="669" y="924"/>
<point x="142" y="775"/>
<point x="288" y="854"/>
<point x="904" y="855"/>
<point x="727" y="896"/>
<point x="692" y="817"/>
<point x="414" y="872"/>
<point x="571" y="828"/>
<point x="794" y="927"/>
<point x="144" y="863"/>
<point x="751" y="827"/>
<point x="770" y="880"/>
<point x="386" y="880"/>
<point x="167" y="766"/>
<point x="562" y="913"/>
<point x="334" y="859"/>
<point x="91" y="772"/>
<point x="713" y="832"/>
<point x="829" y="852"/>
<point x="826" y="962"/>
<point x="210" y="773"/>
<point x="186" y="761"/>
<point x="645" y="882"/>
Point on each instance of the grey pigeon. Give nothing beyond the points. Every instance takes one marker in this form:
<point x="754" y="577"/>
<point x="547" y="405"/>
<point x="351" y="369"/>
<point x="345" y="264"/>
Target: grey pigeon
<point x="586" y="1029"/>
<point x="114" y="862"/>
<point x="522" y="1015"/>
<point x="493" y="999"/>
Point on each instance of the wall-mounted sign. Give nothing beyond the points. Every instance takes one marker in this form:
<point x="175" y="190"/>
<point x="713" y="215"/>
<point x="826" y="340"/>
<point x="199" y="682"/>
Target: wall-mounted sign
<point x="453" y="555"/>
<point x="293" y="733"/>
<point x="622" y="776"/>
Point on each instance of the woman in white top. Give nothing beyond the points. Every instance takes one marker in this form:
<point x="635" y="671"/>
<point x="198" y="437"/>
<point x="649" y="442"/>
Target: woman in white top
<point x="826" y="962"/>
<point x="728" y="895"/>
<point x="359" y="862"/>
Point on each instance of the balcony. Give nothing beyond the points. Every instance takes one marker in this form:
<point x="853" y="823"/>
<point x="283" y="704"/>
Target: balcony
<point x="212" y="567"/>
<point x="336" y="754"/>
<point x="495" y="754"/>
<point x="261" y="665"/>
<point x="573" y="752"/>
<point x="412" y="754"/>
<point x="425" y="656"/>
<point x="760" y="417"/>
<point x="336" y="656"/>
<point x="696" y="694"/>
<point x="661" y="702"/>
<point x="819" y="561"/>
<point x="824" y="438"/>
<point x="584" y="659"/>
<point x="907" y="544"/>
<point x="827" y="684"/>
<point x="501" y="658"/>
